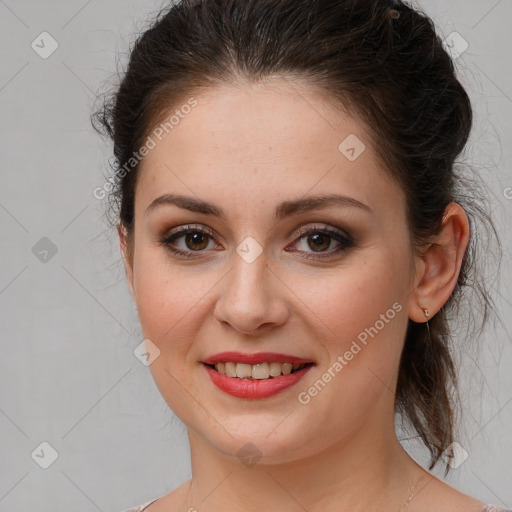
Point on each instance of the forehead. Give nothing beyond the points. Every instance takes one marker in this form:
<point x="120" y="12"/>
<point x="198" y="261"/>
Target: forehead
<point x="261" y="141"/>
<point x="279" y="115"/>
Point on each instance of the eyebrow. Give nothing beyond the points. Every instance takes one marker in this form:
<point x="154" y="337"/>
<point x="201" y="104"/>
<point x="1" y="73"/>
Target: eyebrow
<point x="284" y="209"/>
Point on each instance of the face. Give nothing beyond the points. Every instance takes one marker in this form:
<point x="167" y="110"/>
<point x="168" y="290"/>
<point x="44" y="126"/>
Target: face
<point x="327" y="282"/>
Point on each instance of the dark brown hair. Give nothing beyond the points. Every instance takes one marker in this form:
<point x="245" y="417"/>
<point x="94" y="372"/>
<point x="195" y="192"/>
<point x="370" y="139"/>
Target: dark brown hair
<point x="379" y="59"/>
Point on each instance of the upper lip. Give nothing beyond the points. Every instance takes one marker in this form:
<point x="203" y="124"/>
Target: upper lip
<point x="256" y="358"/>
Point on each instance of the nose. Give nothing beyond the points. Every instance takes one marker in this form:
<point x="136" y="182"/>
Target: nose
<point x="252" y="297"/>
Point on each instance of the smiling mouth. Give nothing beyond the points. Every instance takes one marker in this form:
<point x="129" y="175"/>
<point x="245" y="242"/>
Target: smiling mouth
<point x="261" y="371"/>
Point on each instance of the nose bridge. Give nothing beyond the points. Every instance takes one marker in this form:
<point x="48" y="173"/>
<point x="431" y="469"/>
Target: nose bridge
<point x="249" y="297"/>
<point x="248" y="284"/>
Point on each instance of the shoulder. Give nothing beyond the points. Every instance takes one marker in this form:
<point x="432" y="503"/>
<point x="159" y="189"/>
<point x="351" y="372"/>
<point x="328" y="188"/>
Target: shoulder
<point x="140" y="508"/>
<point x="440" y="495"/>
<point x="487" y="508"/>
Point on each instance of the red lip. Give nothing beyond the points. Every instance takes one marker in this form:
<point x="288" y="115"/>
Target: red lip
<point x="256" y="358"/>
<point x="255" y="389"/>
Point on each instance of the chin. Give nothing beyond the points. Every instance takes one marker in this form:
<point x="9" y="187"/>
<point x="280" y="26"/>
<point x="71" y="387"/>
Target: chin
<point x="253" y="444"/>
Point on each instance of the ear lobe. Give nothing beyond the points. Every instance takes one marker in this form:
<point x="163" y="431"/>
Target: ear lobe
<point x="127" y="257"/>
<point x="440" y="264"/>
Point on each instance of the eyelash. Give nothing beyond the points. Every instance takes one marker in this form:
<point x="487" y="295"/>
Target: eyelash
<point x="346" y="241"/>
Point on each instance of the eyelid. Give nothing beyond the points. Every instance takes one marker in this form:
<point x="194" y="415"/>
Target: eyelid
<point x="170" y="235"/>
<point x="185" y="228"/>
<point x="302" y="230"/>
<point x="339" y="235"/>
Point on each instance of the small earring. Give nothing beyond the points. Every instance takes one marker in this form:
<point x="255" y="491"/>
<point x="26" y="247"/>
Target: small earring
<point x="425" y="311"/>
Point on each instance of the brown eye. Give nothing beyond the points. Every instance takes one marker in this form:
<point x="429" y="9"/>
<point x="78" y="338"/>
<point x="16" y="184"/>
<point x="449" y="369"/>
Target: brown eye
<point x="319" y="241"/>
<point x="196" y="240"/>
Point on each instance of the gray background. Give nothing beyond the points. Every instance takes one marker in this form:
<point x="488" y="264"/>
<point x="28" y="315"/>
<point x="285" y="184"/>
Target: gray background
<point x="68" y="375"/>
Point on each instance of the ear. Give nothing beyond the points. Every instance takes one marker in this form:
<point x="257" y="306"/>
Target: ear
<point x="127" y="255"/>
<point x="438" y="267"/>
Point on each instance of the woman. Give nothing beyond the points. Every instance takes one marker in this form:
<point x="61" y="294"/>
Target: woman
<point x="294" y="241"/>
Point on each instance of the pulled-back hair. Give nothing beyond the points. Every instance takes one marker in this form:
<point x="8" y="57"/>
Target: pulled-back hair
<point x="380" y="60"/>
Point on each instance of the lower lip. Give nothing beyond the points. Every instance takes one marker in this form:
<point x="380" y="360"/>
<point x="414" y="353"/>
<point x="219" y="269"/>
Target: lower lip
<point x="253" y="388"/>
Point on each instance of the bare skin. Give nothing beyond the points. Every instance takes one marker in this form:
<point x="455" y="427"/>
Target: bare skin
<point x="246" y="150"/>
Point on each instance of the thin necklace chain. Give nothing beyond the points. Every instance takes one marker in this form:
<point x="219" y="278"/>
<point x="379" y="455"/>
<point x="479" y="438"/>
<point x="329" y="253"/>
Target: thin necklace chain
<point x="411" y="496"/>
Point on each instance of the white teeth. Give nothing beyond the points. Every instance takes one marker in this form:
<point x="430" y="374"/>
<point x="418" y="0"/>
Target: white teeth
<point x="243" y="370"/>
<point x="259" y="371"/>
<point x="275" y="369"/>
<point x="230" y="369"/>
<point x="287" y="368"/>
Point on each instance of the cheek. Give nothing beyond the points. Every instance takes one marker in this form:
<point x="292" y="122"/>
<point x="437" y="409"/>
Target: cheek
<point x="354" y="297"/>
<point x="364" y="309"/>
<point x="168" y="297"/>
<point x="363" y="306"/>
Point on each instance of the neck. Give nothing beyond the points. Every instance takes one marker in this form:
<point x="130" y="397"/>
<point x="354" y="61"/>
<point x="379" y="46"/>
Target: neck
<point x="370" y="467"/>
